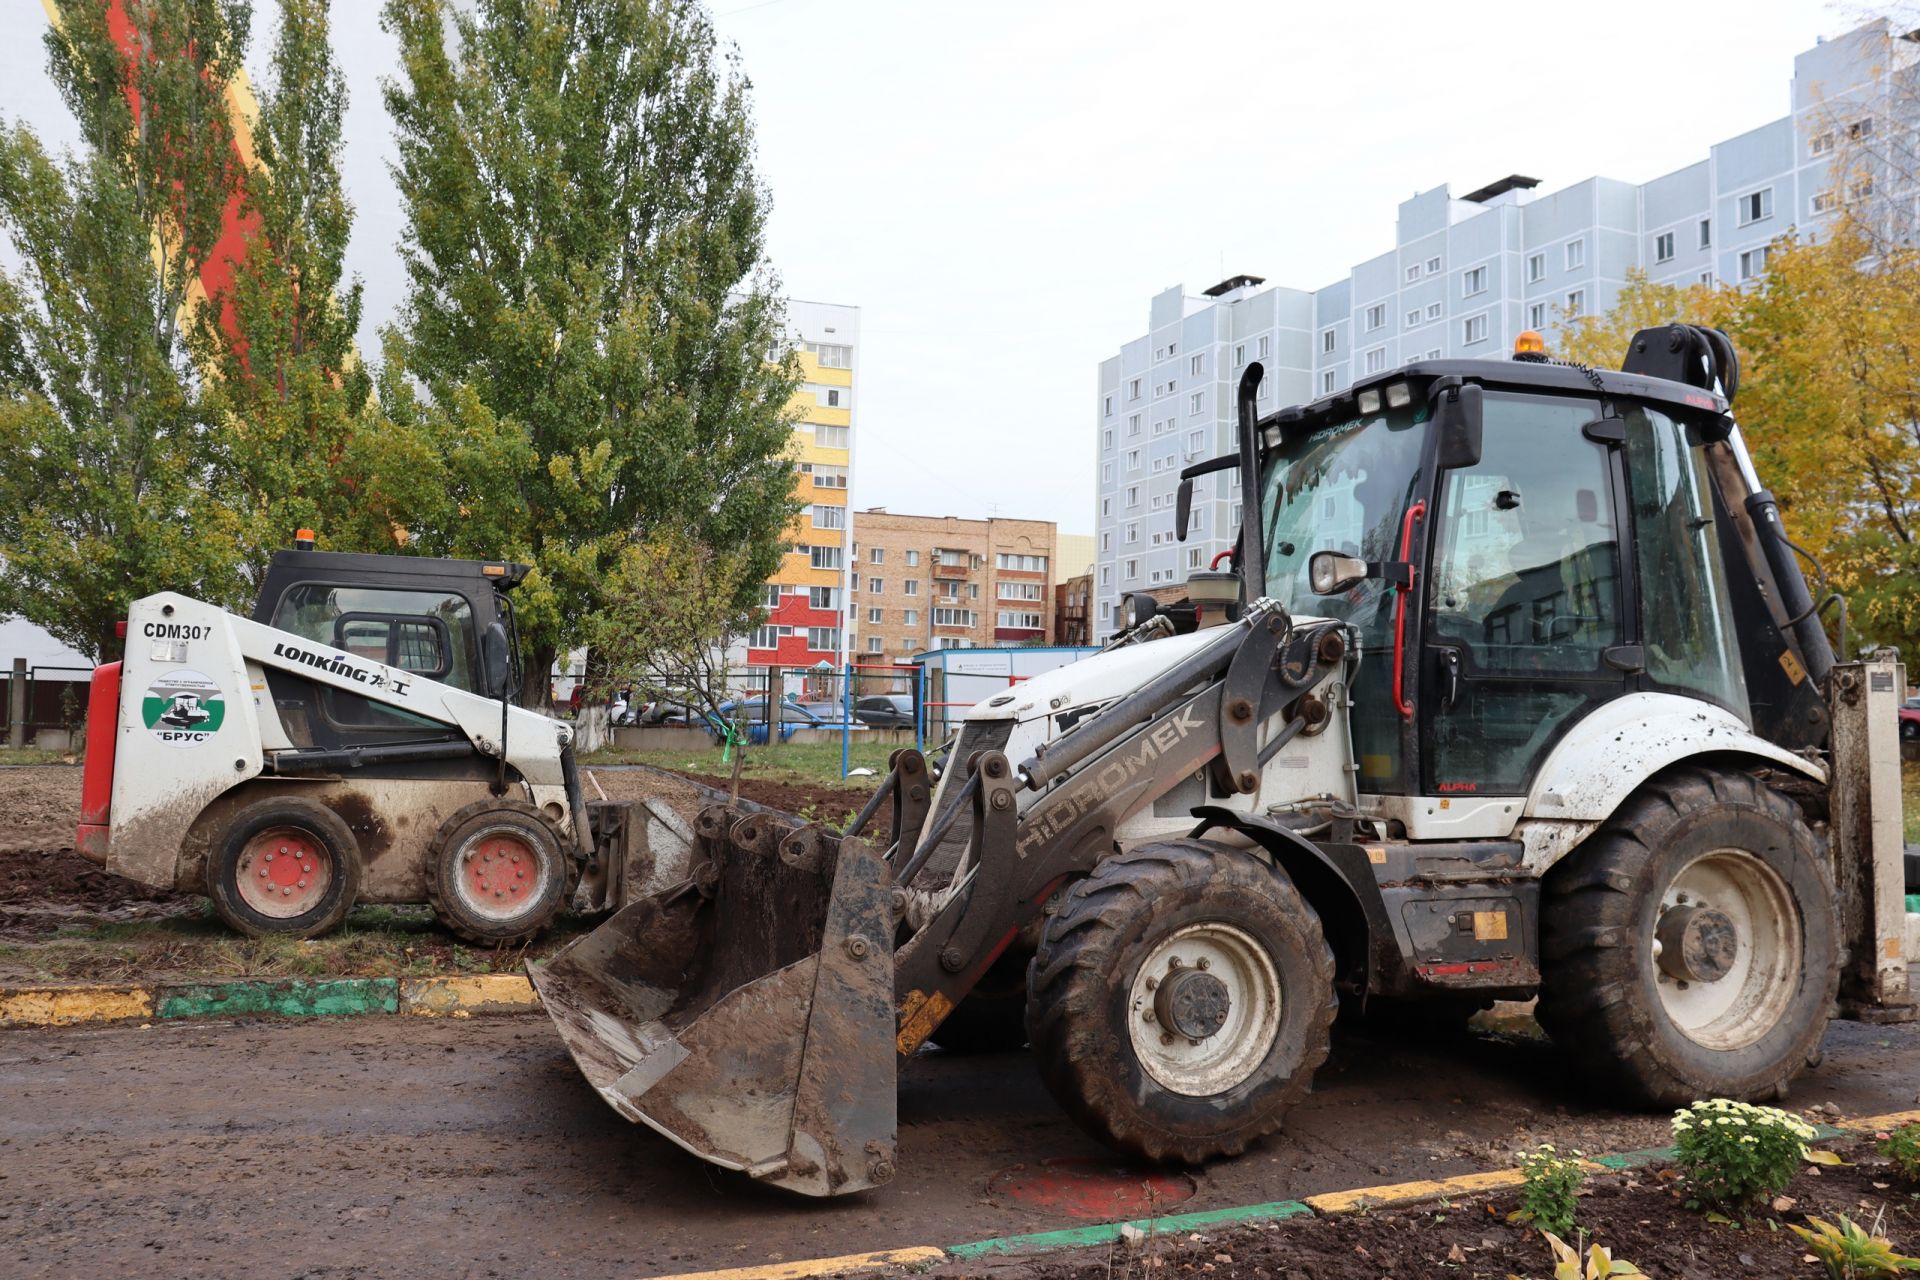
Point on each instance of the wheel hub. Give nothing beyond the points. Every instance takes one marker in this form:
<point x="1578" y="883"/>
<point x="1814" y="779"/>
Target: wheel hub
<point x="1697" y="943"/>
<point x="500" y="874"/>
<point x="283" y="872"/>
<point x="1192" y="1004"/>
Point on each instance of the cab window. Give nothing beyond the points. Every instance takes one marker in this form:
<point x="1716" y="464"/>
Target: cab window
<point x="428" y="633"/>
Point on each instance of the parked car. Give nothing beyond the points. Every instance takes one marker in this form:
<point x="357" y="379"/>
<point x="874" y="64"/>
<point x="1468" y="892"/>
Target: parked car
<point x="751" y="715"/>
<point x="1910" y="721"/>
<point x="885" y="710"/>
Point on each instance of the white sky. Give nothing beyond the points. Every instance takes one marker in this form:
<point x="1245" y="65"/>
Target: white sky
<point x="1001" y="185"/>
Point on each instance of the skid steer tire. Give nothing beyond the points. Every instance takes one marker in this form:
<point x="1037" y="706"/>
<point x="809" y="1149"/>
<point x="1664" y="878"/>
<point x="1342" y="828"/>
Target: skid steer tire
<point x="497" y="873"/>
<point x="1747" y="865"/>
<point x="993" y="1017"/>
<point x="285" y="868"/>
<point x="1107" y="1013"/>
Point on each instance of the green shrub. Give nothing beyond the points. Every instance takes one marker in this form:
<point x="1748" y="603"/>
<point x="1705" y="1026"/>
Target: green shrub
<point x="1552" y="1184"/>
<point x="1848" y="1253"/>
<point x="1732" y="1154"/>
<point x="1902" y="1146"/>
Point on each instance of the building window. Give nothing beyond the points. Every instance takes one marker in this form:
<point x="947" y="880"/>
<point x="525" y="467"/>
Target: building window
<point x="1326" y="383"/>
<point x="1106" y="575"/>
<point x="878" y="555"/>
<point x="772" y="598"/>
<point x="1536" y="267"/>
<point x="1756" y="206"/>
<point x="1473" y="329"/>
<point x="876" y="585"/>
<point x="876" y="644"/>
<point x="1434" y="354"/>
<point x="1233" y="515"/>
<point x="1473" y="282"/>
<point x="874" y="615"/>
<point x="1106" y="541"/>
<point x="1376" y="316"/>
<point x="910" y="587"/>
<point x="1863" y="128"/>
<point x="1193" y="557"/>
<point x="1820" y="144"/>
<point x="1133" y="534"/>
<point x="1106" y="440"/>
<point x="1413" y="318"/>
<point x="1433" y="312"/>
<point x="1195" y="401"/>
<point x="1196" y="441"/>
<point x="913" y="559"/>
<point x="826" y="557"/>
<point x="829" y="477"/>
<point x="1133" y="424"/>
<point x="830" y="437"/>
<point x="1706" y="278"/>
<point x="1133" y="495"/>
<point x="1239" y="354"/>
<point x="770" y="637"/>
<point x="1021" y="591"/>
<point x="1198" y="364"/>
<point x="823" y="639"/>
<point x="1133" y="459"/>
<point x="953" y="617"/>
<point x="1132" y="570"/>
<point x="833" y="397"/>
<point x="1706" y="233"/>
<point x="1133" y="389"/>
<point x="1576" y="303"/>
<point x="823" y="597"/>
<point x="1823" y="201"/>
<point x="1327" y="341"/>
<point x="951" y="559"/>
<point x="1106" y="508"/>
<point x="1753" y="263"/>
<point x="1021" y="621"/>
<point x="1663" y="247"/>
<point x="1536" y="315"/>
<point x="1433" y="266"/>
<point x="829" y="517"/>
<point x="1020" y="563"/>
<point x="1376" y="359"/>
<point x="1266" y="344"/>
<point x="830" y="355"/>
<point x="1576" y="254"/>
<point x="1413" y="272"/>
<point x="910" y="617"/>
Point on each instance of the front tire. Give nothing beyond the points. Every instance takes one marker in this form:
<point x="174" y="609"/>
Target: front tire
<point x="497" y="873"/>
<point x="1690" y="949"/>
<point x="1181" y="1000"/>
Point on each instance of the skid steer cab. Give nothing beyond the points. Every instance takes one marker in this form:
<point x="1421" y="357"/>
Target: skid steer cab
<point x="1516" y="689"/>
<point x="353" y="741"/>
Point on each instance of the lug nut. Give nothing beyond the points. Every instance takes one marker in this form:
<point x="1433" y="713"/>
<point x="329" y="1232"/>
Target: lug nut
<point x="263" y="873"/>
<point x="1146" y="1015"/>
<point x="499" y="893"/>
<point x="307" y="867"/>
<point x="1173" y="962"/>
<point x="522" y="873"/>
<point x="301" y="885"/>
<point x="286" y="893"/>
<point x="1166" y="1037"/>
<point x="283" y="848"/>
<point x="269" y="857"/>
<point x="1204" y="963"/>
<point x="1152" y="983"/>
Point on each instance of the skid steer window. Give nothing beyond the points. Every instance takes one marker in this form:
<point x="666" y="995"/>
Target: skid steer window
<point x="427" y="632"/>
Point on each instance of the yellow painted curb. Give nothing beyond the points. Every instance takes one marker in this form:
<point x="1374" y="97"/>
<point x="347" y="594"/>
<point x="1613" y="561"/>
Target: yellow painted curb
<point x="58" y="1007"/>
<point x="843" y="1265"/>
<point x="1867" y="1124"/>
<point x="458" y="997"/>
<point x="1412" y="1192"/>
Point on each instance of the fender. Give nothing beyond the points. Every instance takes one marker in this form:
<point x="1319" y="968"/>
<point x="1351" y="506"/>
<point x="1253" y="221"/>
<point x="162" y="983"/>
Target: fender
<point x="1606" y="756"/>
<point x="1336" y="880"/>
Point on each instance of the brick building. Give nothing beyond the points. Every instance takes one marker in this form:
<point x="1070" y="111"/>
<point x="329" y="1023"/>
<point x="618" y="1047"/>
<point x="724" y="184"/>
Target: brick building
<point x="1072" y="610"/>
<point x="940" y="582"/>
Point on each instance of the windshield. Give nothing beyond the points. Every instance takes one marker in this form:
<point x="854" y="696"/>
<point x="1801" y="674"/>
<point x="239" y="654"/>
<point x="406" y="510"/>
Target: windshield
<point x="1341" y="487"/>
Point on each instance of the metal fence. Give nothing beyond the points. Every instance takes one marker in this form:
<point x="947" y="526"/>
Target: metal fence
<point x="54" y="697"/>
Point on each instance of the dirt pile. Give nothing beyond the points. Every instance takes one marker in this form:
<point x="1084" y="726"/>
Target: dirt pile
<point x="822" y="802"/>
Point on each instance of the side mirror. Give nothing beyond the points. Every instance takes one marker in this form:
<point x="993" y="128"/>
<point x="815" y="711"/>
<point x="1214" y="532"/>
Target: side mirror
<point x="496" y="660"/>
<point x="1182" y="507"/>
<point x="1457" y="418"/>
<point x="1329" y="573"/>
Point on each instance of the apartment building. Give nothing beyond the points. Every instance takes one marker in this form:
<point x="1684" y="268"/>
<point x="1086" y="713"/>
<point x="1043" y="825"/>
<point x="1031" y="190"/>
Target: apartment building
<point x="1466" y="275"/>
<point x="806" y="596"/>
<point x="940" y="582"/>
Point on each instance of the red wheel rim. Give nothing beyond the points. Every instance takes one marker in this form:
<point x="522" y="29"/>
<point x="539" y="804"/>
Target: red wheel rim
<point x="284" y="872"/>
<point x="500" y="873"/>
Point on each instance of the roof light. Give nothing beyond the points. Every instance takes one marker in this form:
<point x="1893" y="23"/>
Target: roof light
<point x="493" y="570"/>
<point x="1370" y="400"/>
<point x="303" y="539"/>
<point x="1530" y="343"/>
<point x="1399" y="395"/>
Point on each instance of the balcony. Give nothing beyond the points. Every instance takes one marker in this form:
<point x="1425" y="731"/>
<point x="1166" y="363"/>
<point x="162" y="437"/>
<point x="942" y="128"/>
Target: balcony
<point x="949" y="570"/>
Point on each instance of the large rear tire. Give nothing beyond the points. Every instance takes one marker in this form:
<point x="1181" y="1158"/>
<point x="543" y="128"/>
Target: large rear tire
<point x="497" y="873"/>
<point x="287" y="868"/>
<point x="1180" y="1000"/>
<point x="1690" y="948"/>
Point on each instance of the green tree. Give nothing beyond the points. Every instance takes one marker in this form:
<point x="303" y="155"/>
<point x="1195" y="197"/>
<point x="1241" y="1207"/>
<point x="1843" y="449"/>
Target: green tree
<point x="1600" y="340"/>
<point x="592" y="347"/>
<point x="103" y="434"/>
<point x="290" y="388"/>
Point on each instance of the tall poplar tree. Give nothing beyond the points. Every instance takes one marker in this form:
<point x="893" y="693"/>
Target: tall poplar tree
<point x="103" y="433"/>
<point x="592" y="348"/>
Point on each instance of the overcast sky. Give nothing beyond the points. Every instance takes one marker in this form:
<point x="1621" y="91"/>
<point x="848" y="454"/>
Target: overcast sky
<point x="1000" y="186"/>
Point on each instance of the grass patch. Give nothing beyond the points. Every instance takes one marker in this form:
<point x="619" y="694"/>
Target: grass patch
<point x="375" y="942"/>
<point x="794" y="763"/>
<point x="1910" y="799"/>
<point x="36" y="755"/>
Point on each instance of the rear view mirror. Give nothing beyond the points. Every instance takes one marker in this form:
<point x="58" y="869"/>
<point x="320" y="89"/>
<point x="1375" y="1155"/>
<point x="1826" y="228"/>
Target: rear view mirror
<point x="496" y="660"/>
<point x="1182" y="508"/>
<point x="1457" y="418"/>
<point x="1329" y="573"/>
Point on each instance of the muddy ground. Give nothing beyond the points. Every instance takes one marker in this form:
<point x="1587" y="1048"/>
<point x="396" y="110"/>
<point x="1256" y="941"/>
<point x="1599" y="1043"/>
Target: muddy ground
<point x="390" y="1146"/>
<point x="45" y="887"/>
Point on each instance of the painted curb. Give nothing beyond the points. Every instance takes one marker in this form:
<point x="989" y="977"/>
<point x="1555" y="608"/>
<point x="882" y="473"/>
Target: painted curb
<point x="845" y="1264"/>
<point x="456" y="997"/>
<point x="1106" y="1232"/>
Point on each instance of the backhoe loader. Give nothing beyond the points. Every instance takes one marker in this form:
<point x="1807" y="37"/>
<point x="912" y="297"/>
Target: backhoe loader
<point x="1516" y="688"/>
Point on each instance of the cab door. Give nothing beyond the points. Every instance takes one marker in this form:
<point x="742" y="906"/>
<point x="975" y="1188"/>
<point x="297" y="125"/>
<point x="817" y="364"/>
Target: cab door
<point x="1526" y="596"/>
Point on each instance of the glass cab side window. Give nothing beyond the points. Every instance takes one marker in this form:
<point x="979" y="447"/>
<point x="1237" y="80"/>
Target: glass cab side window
<point x="429" y="633"/>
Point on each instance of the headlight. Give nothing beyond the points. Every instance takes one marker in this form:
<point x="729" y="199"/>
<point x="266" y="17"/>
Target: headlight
<point x="1399" y="395"/>
<point x="1370" y="400"/>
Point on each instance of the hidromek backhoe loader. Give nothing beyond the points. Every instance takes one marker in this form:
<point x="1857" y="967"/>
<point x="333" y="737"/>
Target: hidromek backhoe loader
<point x="1518" y="689"/>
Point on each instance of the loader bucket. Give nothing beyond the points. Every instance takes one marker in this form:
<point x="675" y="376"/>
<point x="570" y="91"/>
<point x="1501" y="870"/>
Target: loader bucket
<point x="747" y="1012"/>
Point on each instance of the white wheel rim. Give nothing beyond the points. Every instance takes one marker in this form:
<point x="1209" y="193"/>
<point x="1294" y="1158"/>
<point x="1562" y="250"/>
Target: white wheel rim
<point x="498" y="872"/>
<point x="1741" y="1007"/>
<point x="1200" y="1068"/>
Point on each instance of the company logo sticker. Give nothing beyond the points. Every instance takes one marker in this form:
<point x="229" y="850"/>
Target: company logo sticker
<point x="183" y="708"/>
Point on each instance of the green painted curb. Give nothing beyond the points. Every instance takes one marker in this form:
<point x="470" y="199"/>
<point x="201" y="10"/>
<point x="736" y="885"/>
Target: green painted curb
<point x="1913" y="902"/>
<point x="291" y="998"/>
<point x="1635" y="1159"/>
<point x="1103" y="1233"/>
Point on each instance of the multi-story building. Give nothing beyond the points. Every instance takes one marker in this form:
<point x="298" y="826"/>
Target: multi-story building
<point x="1465" y="277"/>
<point x="1073" y="589"/>
<point x="940" y="582"/>
<point x="806" y="596"/>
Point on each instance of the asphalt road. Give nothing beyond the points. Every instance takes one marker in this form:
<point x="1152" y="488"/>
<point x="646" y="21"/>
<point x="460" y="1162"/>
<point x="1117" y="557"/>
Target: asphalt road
<point x="398" y="1146"/>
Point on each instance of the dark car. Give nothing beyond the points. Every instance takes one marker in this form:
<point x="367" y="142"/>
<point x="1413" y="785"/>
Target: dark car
<point x="885" y="711"/>
<point x="1910" y="721"/>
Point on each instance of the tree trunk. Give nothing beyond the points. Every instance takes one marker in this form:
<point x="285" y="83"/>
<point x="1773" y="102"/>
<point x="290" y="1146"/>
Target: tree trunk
<point x="536" y="682"/>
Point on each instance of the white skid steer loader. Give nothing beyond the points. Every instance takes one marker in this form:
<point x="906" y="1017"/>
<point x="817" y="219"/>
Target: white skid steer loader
<point x="354" y="741"/>
<point x="1516" y="689"/>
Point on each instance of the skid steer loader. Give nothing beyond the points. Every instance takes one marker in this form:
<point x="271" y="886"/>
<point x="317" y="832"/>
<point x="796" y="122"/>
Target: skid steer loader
<point x="354" y="741"/>
<point x="1516" y="689"/>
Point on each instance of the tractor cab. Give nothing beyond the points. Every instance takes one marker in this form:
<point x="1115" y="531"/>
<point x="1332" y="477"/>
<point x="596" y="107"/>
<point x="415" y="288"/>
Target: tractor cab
<point x="429" y="618"/>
